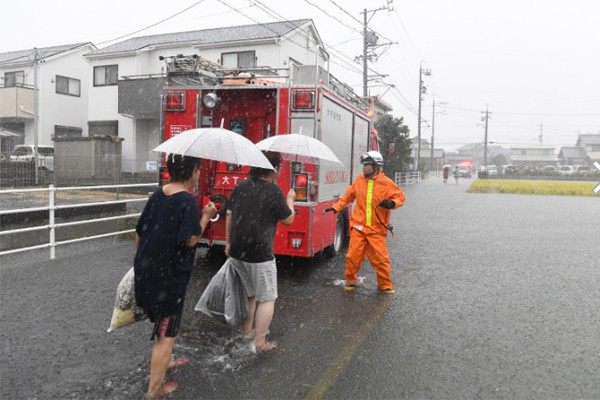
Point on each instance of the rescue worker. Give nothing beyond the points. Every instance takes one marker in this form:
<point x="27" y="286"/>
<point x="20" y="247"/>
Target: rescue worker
<point x="375" y="196"/>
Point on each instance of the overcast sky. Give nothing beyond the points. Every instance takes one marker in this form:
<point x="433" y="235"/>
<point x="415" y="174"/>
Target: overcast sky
<point x="534" y="63"/>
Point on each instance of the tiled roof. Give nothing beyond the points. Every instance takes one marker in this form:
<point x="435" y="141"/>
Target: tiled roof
<point x="21" y="56"/>
<point x="206" y="36"/>
<point x="588" y="139"/>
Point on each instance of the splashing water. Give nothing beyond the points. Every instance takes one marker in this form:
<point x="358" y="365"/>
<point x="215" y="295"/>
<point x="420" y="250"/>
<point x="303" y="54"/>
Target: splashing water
<point x="342" y="282"/>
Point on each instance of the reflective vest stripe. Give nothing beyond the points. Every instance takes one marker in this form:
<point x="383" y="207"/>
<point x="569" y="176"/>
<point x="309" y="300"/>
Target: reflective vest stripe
<point x="369" y="201"/>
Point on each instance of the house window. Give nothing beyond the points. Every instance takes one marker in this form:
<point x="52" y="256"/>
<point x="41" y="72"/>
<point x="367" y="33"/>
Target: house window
<point x="241" y="59"/>
<point x="69" y="86"/>
<point x="103" y="128"/>
<point x="61" y="131"/>
<point x="106" y="75"/>
<point x="14" y="78"/>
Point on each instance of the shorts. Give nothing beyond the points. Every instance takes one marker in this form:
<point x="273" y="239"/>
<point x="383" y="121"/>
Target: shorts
<point x="166" y="326"/>
<point x="259" y="279"/>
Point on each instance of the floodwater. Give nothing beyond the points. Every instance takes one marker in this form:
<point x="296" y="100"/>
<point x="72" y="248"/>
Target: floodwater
<point x="496" y="297"/>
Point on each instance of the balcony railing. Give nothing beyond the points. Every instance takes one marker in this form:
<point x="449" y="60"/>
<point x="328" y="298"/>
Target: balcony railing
<point x="16" y="101"/>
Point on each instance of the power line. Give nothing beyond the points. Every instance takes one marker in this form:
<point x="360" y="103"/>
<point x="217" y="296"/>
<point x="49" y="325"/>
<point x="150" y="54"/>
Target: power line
<point x="332" y="17"/>
<point x="346" y="12"/>
<point x="154" y="24"/>
<point x="275" y="14"/>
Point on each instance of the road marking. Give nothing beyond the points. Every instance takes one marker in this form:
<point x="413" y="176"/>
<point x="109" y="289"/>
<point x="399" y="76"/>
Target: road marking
<point x="597" y="188"/>
<point x="337" y="367"/>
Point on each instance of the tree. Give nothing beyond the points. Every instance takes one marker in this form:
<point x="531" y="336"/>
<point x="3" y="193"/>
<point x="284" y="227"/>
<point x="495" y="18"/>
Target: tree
<point x="395" y="143"/>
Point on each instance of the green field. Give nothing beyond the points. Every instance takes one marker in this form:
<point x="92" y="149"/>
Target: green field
<point x="556" y="188"/>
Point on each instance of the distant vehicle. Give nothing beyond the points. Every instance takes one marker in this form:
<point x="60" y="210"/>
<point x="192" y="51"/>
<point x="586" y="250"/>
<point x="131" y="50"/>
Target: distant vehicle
<point x="464" y="170"/>
<point x="549" y="168"/>
<point x="491" y="169"/>
<point x="566" y="170"/>
<point x="25" y="153"/>
<point x="582" y="169"/>
<point x="510" y="170"/>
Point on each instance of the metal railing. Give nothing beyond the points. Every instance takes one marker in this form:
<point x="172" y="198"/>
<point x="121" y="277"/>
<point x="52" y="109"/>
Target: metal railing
<point x="52" y="207"/>
<point x="405" y="178"/>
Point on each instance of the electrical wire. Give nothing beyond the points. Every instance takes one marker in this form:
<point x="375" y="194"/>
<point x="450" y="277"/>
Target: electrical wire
<point x="332" y="17"/>
<point x="154" y="24"/>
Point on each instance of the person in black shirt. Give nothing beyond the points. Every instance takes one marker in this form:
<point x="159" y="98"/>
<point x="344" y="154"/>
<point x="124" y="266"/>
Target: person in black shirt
<point x="256" y="206"/>
<point x="166" y="236"/>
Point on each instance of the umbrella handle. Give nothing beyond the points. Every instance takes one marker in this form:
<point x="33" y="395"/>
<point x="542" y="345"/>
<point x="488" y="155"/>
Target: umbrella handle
<point x="216" y="218"/>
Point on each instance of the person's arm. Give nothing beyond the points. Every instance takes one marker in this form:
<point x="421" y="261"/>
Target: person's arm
<point x="228" y="225"/>
<point x="347" y="198"/>
<point x="394" y="197"/>
<point x="208" y="212"/>
<point x="291" y="197"/>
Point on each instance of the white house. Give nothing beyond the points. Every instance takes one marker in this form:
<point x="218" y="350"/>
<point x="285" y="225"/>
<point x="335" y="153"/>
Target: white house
<point x="590" y="143"/>
<point x="62" y="82"/>
<point x="128" y="76"/>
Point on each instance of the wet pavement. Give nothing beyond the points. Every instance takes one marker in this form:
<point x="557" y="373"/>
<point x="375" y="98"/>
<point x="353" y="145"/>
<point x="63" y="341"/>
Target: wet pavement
<point x="496" y="297"/>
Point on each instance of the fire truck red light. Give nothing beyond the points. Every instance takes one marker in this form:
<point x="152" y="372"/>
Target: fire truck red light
<point x="303" y="100"/>
<point x="301" y="181"/>
<point x="175" y="102"/>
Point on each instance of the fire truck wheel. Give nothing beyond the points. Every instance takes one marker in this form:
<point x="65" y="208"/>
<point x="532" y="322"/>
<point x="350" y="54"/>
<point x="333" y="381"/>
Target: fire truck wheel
<point x="339" y="238"/>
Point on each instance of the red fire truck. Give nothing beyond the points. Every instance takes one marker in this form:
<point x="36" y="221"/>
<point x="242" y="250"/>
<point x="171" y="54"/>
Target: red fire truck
<point x="262" y="102"/>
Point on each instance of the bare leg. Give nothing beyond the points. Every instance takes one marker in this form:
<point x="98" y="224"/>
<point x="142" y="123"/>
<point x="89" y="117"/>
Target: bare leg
<point x="264" y="316"/>
<point x="247" y="324"/>
<point x="161" y="356"/>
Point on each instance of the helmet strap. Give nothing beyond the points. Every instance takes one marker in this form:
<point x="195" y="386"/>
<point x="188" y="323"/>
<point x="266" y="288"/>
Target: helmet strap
<point x="374" y="173"/>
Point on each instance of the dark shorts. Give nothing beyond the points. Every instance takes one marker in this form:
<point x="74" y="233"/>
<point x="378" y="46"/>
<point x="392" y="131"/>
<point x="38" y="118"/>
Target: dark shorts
<point x="166" y="326"/>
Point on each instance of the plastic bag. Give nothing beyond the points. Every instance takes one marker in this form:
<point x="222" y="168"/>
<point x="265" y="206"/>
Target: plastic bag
<point x="126" y="312"/>
<point x="225" y="297"/>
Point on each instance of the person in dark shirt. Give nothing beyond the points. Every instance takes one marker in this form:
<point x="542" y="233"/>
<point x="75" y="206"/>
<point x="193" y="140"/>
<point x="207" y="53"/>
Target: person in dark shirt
<point x="166" y="236"/>
<point x="256" y="206"/>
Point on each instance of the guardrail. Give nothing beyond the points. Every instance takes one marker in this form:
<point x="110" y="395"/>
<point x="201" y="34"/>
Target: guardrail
<point x="405" y="178"/>
<point x="52" y="208"/>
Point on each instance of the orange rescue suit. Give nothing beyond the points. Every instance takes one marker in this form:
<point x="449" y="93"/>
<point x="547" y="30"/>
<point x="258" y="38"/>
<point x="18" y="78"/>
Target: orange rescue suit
<point x="367" y="233"/>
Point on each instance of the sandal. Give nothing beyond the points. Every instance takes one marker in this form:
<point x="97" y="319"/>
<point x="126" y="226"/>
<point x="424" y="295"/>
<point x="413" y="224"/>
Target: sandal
<point x="266" y="347"/>
<point x="177" y="363"/>
<point x="163" y="392"/>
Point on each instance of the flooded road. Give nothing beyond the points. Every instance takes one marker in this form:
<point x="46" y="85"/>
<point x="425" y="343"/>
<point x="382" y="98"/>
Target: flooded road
<point x="496" y="297"/>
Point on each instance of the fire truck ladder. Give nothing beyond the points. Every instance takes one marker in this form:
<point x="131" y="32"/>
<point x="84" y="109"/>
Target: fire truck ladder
<point x="191" y="70"/>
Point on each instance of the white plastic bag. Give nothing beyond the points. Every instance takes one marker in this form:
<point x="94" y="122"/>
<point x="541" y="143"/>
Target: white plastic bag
<point x="225" y="297"/>
<point x="126" y="312"/>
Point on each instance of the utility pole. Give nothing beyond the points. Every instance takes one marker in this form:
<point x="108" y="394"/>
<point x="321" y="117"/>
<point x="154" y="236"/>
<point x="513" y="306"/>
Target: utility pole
<point x="433" y="127"/>
<point x="422" y="91"/>
<point x="370" y="41"/>
<point x="35" y="115"/>
<point x="541" y="136"/>
<point x="485" y="139"/>
<point x="432" y="133"/>
<point x="364" y="60"/>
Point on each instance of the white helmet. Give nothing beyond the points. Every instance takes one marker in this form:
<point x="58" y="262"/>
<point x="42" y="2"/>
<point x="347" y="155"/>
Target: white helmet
<point x="371" y="157"/>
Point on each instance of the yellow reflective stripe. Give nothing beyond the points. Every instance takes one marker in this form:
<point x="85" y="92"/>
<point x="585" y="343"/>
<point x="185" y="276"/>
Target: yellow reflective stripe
<point x="369" y="201"/>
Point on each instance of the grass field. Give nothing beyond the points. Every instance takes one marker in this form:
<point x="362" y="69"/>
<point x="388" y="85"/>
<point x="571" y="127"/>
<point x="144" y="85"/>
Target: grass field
<point x="556" y="188"/>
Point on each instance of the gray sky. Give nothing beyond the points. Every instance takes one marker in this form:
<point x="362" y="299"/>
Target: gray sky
<point x="532" y="62"/>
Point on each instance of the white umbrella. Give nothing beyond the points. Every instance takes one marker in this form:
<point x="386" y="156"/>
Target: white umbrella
<point x="296" y="144"/>
<point x="216" y="144"/>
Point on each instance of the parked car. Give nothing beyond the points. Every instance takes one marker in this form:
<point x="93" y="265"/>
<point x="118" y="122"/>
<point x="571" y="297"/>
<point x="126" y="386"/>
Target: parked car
<point x="25" y="153"/>
<point x="548" y="168"/>
<point x="510" y="170"/>
<point x="582" y="169"/>
<point x="464" y="170"/>
<point x="566" y="170"/>
<point x="491" y="169"/>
